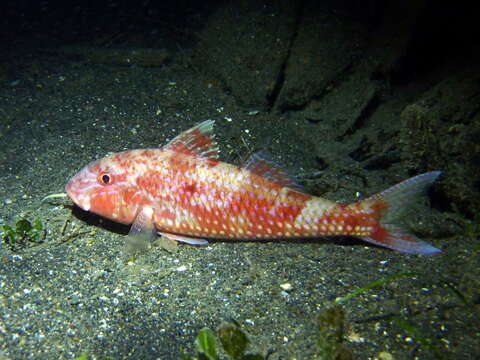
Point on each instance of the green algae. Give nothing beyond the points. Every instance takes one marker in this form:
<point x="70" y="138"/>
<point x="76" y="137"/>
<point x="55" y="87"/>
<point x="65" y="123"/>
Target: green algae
<point x="374" y="284"/>
<point x="233" y="339"/>
<point x="23" y="233"/>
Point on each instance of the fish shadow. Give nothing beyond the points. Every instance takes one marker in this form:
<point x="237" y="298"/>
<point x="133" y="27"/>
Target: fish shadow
<point x="98" y="221"/>
<point x="340" y="240"/>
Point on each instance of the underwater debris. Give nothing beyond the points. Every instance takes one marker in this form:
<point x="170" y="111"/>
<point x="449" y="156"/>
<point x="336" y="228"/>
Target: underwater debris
<point x="332" y="334"/>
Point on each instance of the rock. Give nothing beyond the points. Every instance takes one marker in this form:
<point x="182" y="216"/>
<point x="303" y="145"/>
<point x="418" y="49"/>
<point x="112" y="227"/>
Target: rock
<point x="245" y="45"/>
<point x="326" y="45"/>
<point x="440" y="131"/>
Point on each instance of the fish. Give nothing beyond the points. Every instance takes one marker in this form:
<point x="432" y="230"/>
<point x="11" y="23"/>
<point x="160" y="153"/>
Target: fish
<point x="183" y="192"/>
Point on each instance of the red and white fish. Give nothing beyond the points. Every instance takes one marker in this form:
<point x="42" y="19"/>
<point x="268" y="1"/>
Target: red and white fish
<point x="184" y="193"/>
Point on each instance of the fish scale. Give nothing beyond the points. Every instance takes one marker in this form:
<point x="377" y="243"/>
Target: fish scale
<point x="221" y="200"/>
<point x="183" y="192"/>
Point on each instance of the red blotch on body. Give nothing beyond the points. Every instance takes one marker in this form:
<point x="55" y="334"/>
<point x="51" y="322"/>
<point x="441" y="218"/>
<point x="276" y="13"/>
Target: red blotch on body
<point x="189" y="189"/>
<point x="211" y="162"/>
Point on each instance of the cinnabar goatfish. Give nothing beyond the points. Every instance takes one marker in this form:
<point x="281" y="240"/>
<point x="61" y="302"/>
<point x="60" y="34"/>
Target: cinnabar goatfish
<point x="181" y="191"/>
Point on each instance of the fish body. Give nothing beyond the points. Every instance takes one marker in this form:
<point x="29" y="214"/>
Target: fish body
<point x="183" y="192"/>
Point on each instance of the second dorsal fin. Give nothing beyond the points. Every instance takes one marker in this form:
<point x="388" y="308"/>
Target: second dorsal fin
<point x="199" y="141"/>
<point x="260" y="163"/>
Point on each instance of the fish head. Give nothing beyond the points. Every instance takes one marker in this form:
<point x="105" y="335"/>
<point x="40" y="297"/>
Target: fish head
<point x="101" y="187"/>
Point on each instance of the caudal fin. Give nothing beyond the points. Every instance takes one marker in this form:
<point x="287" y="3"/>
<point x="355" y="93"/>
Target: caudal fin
<point x="392" y="204"/>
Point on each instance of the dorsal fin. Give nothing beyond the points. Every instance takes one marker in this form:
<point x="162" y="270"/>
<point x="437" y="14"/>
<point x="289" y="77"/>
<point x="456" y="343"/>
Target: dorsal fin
<point x="199" y="141"/>
<point x="260" y="163"/>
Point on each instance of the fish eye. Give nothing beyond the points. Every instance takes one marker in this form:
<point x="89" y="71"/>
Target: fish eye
<point x="105" y="179"/>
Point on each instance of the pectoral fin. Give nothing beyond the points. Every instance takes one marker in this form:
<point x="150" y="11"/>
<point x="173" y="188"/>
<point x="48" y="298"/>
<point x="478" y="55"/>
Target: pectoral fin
<point x="142" y="232"/>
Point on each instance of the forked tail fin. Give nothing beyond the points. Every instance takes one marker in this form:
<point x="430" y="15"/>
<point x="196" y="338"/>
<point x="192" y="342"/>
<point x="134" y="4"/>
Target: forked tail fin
<point x="391" y="204"/>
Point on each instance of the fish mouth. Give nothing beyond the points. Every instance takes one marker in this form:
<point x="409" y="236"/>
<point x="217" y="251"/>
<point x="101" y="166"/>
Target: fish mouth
<point x="75" y="193"/>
